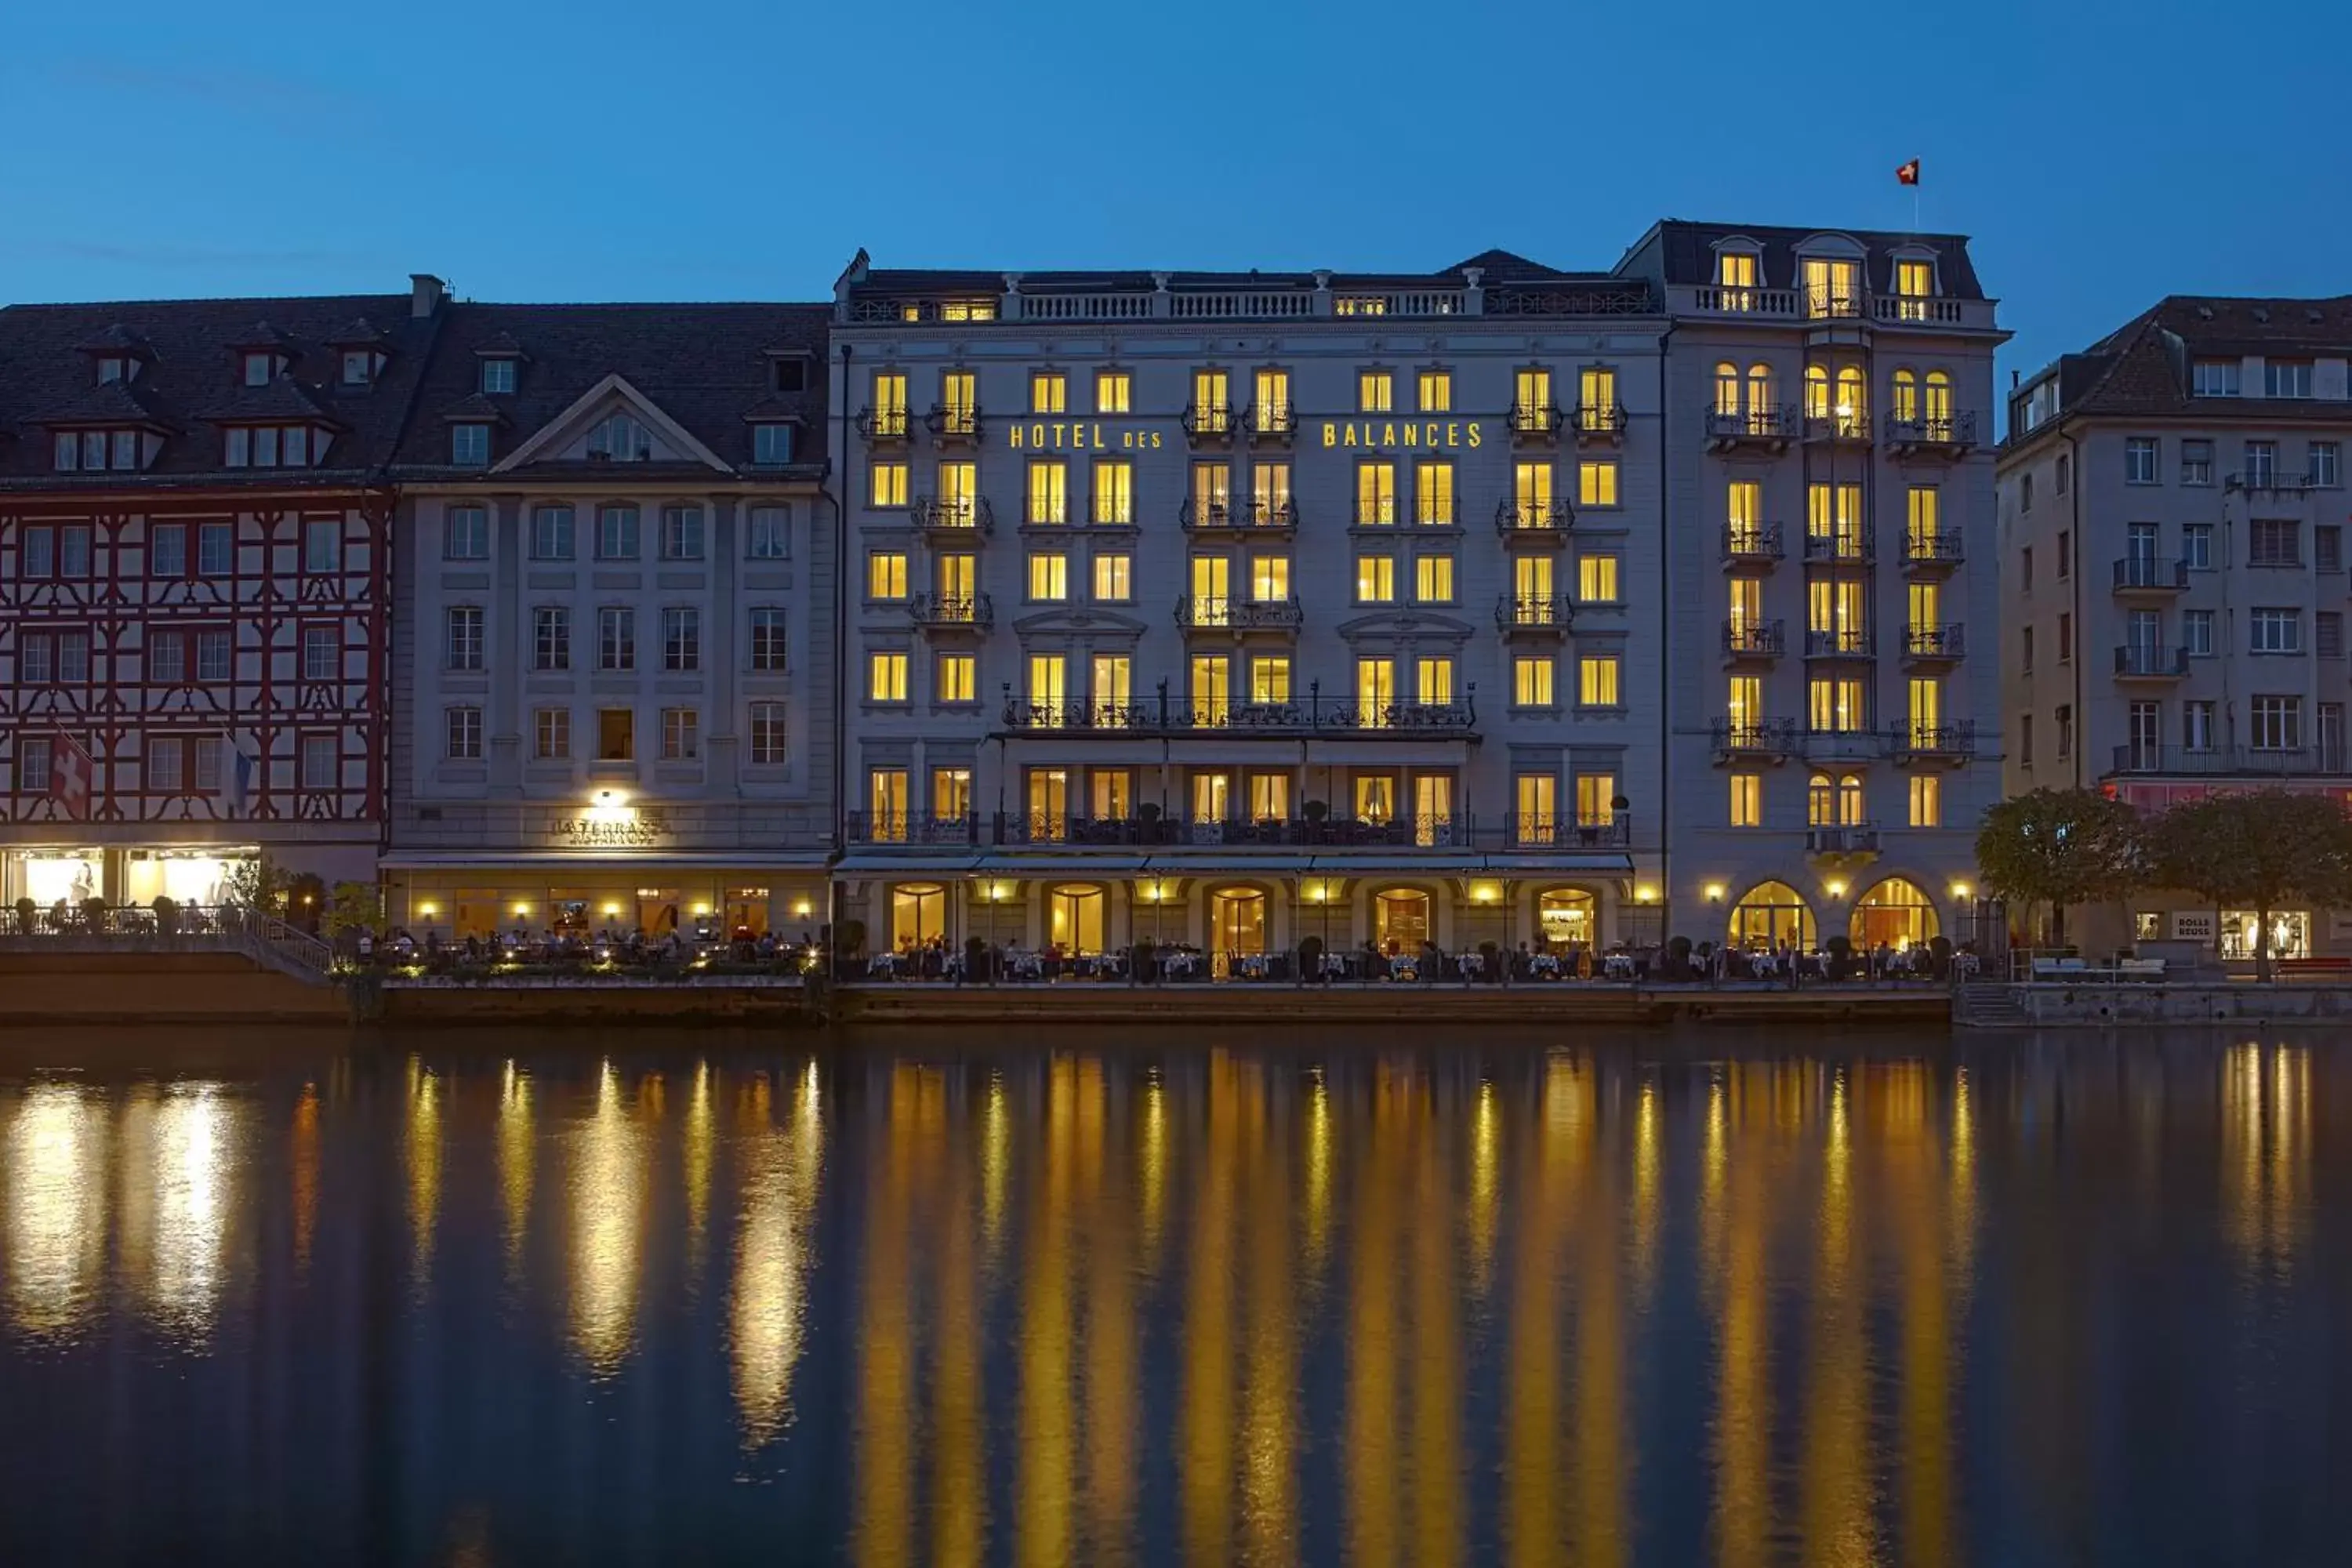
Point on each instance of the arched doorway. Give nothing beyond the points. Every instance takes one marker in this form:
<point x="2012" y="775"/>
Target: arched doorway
<point x="1076" y="913"/>
<point x="1895" y="912"/>
<point x="918" y="914"/>
<point x="1566" y="918"/>
<point x="1769" y="914"/>
<point x="1401" y="921"/>
<point x="1237" y="922"/>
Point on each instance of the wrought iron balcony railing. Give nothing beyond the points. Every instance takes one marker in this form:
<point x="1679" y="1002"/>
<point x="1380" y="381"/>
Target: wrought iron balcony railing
<point x="1513" y="516"/>
<point x="1535" y="421"/>
<point x="1751" y="544"/>
<point x="1945" y="640"/>
<point x="876" y="426"/>
<point x="1951" y="432"/>
<point x="1853" y="427"/>
<point x="1841" y="839"/>
<point x="1754" y="639"/>
<point x="1209" y="422"/>
<point x="1925" y="551"/>
<point x="1598" y="421"/>
<point x="912" y="827"/>
<point x="1765" y="424"/>
<point x="2226" y="762"/>
<point x="1194" y="714"/>
<point x="1766" y="737"/>
<point x="1206" y="613"/>
<point x="2146" y="661"/>
<point x="1198" y="515"/>
<point x="1273" y="421"/>
<point x="1916" y="741"/>
<point x="2150" y="574"/>
<point x="972" y="513"/>
<point x="1534" y="611"/>
<point x="1851" y="545"/>
<point x="1845" y="642"/>
<point x="938" y="610"/>
<point x="954" y="422"/>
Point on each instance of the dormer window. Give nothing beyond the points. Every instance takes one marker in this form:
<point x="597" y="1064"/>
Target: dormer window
<point x="470" y="445"/>
<point x="771" y="444"/>
<point x="1735" y="274"/>
<point x="114" y="368"/>
<point x="620" y="439"/>
<point x="275" y="445"/>
<point x="498" y="375"/>
<point x="1915" y="285"/>
<point x="92" y="451"/>
<point x="358" y="367"/>
<point x="260" y="369"/>
<point x="1833" y="287"/>
<point x="791" y="373"/>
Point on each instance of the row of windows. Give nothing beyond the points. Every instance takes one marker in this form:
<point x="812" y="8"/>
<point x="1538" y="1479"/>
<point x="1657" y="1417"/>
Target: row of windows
<point x="2286" y="378"/>
<point x="2323" y="467"/>
<point x="1046" y="491"/>
<point x="177" y="657"/>
<point x="1839" y="802"/>
<point x="465" y="644"/>
<point x="1843" y="390"/>
<point x="1265" y="677"/>
<point x="1832" y="286"/>
<point x="616" y="736"/>
<point x="2274" y="723"/>
<point x="184" y="764"/>
<point x="2275" y="542"/>
<point x="1268" y="577"/>
<point x="465" y="533"/>
<point x="1114" y="393"/>
<point x="2274" y="629"/>
<point x="619" y="439"/>
<point x="46" y="550"/>
<point x="1835" y="704"/>
<point x="1834" y="605"/>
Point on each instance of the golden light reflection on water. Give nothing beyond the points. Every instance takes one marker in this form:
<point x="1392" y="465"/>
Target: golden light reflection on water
<point x="56" y="1208"/>
<point x="423" y="1169"/>
<point x="767" y="1308"/>
<point x="518" y="1135"/>
<point x="198" y="1130"/>
<point x="305" y="1175"/>
<point x="608" y="1194"/>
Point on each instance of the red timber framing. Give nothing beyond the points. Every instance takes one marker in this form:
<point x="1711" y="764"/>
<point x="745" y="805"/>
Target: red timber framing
<point x="274" y="630"/>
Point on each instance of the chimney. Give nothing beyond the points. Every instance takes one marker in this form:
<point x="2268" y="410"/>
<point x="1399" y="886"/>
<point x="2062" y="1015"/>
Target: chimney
<point x="2012" y="381"/>
<point x="425" y="294"/>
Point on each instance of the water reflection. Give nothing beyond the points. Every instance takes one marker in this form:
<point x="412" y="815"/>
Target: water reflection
<point x="1233" y="1305"/>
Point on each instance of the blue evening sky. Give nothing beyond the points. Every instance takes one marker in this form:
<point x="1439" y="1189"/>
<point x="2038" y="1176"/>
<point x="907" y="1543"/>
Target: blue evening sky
<point x="2101" y="154"/>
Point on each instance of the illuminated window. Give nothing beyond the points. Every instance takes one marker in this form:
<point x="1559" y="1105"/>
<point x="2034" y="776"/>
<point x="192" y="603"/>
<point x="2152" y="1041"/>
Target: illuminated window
<point x="1743" y="701"/>
<point x="1375" y="797"/>
<point x="1433" y="683"/>
<point x="1835" y="803"/>
<point x="1049" y="391"/>
<point x="1532" y="591"/>
<point x="1903" y="395"/>
<point x="957" y="574"/>
<point x="1735" y="274"/>
<point x="886" y="797"/>
<point x="1596" y="799"/>
<point x="886" y="575"/>
<point x="1375" y="392"/>
<point x="1596" y="680"/>
<point x="1114" y="392"/>
<point x="1537" y="799"/>
<point x="1853" y="407"/>
<point x="1270" y="495"/>
<point x="958" y="503"/>
<point x="1269" y="578"/>
<point x="1833" y="521"/>
<point x="959" y="678"/>
<point x="1114" y="792"/>
<point x="1375" y="580"/>
<point x="958" y="402"/>
<point x="1273" y="400"/>
<point x="1433" y="579"/>
<point x="1939" y="402"/>
<point x="1114" y="680"/>
<point x="1817" y="392"/>
<point x="889" y="404"/>
<point x="1596" y="579"/>
<point x="1375" y="686"/>
<point x="1926" y="704"/>
<point x="1726" y="389"/>
<point x="1212" y="409"/>
<point x="1531" y="681"/>
<point x="1049" y="483"/>
<point x="1269" y="796"/>
<point x="1746" y="800"/>
<point x="1596" y="398"/>
<point x="1211" y="694"/>
<point x="967" y="309"/>
<point x="1212" y="495"/>
<point x="1270" y="678"/>
<point x="1596" y="481"/>
<point x="1114" y="578"/>
<point x="889" y="488"/>
<point x="1436" y="392"/>
<point x="1212" y="591"/>
<point x="1375" y="495"/>
<point x="1114" y="492"/>
<point x="1914" y="282"/>
<point x="1833" y="288"/>
<point x="1836" y="706"/>
<point x="950" y="792"/>
<point x="886" y="676"/>
<point x="1049" y="576"/>
<point x="1927" y="801"/>
<point x="1531" y="495"/>
<point x="1761" y="412"/>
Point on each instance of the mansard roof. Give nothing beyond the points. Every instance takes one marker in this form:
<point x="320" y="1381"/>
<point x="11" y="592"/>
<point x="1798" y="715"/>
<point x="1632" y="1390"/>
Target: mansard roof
<point x="2142" y="369"/>
<point x="1684" y="253"/>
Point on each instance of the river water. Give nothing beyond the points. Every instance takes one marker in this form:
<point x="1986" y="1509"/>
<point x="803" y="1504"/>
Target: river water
<point x="931" y="1299"/>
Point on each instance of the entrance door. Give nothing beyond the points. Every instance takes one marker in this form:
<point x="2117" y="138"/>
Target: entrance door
<point x="1401" y="921"/>
<point x="1077" y="914"/>
<point x="1237" y="923"/>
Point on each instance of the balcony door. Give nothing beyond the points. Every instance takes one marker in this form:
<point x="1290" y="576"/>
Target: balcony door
<point x="1049" y="805"/>
<point x="1432" y="810"/>
<point x="1212" y="591"/>
<point x="1212" y="795"/>
<point x="1211" y="695"/>
<point x="2147" y="736"/>
<point x="1113" y="688"/>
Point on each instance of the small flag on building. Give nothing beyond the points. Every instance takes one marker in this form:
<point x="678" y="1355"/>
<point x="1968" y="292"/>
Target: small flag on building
<point x="1909" y="173"/>
<point x="71" y="774"/>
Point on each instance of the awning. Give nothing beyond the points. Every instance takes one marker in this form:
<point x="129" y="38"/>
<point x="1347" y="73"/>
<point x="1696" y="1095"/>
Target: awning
<point x="1082" y="867"/>
<point x="648" y="861"/>
<point x="1209" y="863"/>
<point x="1618" y="864"/>
<point x="883" y="863"/>
<point x="1457" y="865"/>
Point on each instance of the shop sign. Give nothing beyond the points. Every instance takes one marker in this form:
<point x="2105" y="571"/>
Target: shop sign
<point x="2192" y="925"/>
<point x="610" y="827"/>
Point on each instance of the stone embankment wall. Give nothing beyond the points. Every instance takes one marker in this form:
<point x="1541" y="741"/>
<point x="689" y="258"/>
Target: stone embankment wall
<point x="2103" y="1006"/>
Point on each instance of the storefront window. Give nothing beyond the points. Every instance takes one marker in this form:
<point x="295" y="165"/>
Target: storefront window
<point x="919" y="912"/>
<point x="1565" y="917"/>
<point x="1401" y="916"/>
<point x="2290" y="933"/>
<point x="50" y="877"/>
<point x="1077" y="913"/>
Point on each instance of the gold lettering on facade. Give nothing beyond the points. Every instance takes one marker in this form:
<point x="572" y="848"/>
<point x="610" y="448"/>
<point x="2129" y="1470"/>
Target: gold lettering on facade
<point x="1012" y="433"/>
<point x="1388" y="435"/>
<point x="1068" y="437"/>
<point x="623" y="829"/>
<point x="1474" y="435"/>
<point x="1330" y="435"/>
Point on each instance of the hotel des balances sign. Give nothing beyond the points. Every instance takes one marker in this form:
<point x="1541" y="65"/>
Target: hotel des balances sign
<point x="608" y="828"/>
<point x="1377" y="435"/>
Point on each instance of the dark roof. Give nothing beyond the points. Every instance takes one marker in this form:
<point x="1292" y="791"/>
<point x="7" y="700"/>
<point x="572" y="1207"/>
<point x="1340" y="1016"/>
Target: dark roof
<point x="704" y="366"/>
<point x="112" y="402"/>
<point x="1684" y="253"/>
<point x="1496" y="269"/>
<point x="190" y="375"/>
<point x="2142" y="368"/>
<point x="281" y="400"/>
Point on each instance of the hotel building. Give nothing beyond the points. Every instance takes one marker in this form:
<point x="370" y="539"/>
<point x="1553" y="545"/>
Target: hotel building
<point x="2172" y="521"/>
<point x="193" y="583"/>
<point x="614" y="648"/>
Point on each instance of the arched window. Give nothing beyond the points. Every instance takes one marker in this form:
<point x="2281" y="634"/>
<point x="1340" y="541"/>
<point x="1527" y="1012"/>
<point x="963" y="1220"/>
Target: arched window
<point x="1850" y="801"/>
<point x="1726" y="388"/>
<point x="1768" y="914"/>
<point x="1939" y="400"/>
<point x="1852" y="401"/>
<point x="1564" y="915"/>
<point x="919" y="912"/>
<point x="1905" y="397"/>
<point x="1817" y="392"/>
<point x="1896" y="913"/>
<point x="1237" y="922"/>
<point x="1820" y="801"/>
<point x="1078" y="915"/>
<point x="1761" y="414"/>
<point x="1401" y="921"/>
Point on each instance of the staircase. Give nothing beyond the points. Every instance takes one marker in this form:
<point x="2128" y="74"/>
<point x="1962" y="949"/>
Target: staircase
<point x="272" y="942"/>
<point x="1988" y="1004"/>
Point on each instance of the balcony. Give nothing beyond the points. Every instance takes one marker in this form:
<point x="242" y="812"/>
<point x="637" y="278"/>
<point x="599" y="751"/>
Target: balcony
<point x="1769" y="739"/>
<point x="1273" y="423"/>
<point x="950" y="612"/>
<point x="1599" y="424"/>
<point x="1534" y="615"/>
<point x="1950" y="435"/>
<point x="1534" y="423"/>
<point x="1848" y="841"/>
<point x="2148" y="575"/>
<point x="882" y="426"/>
<point x="1936" y="554"/>
<point x="1202" y="613"/>
<point x="1945" y="642"/>
<point x="954" y="515"/>
<point x="1264" y="518"/>
<point x="1715" y="299"/>
<point x="1534" y="830"/>
<point x="1170" y="713"/>
<point x="1848" y="429"/>
<point x="2235" y="761"/>
<point x="1769" y="428"/>
<point x="1922" y="309"/>
<point x="2136" y="661"/>
<point x="1849" y="547"/>
<point x="954" y="424"/>
<point x="1836" y="302"/>
<point x="912" y="828"/>
<point x="1932" y="745"/>
<point x="1849" y="642"/>
<point x="1753" y="642"/>
<point x="2272" y="482"/>
<point x="1751" y="548"/>
<point x="1543" y="524"/>
<point x="1856" y="745"/>
<point x="1209" y="424"/>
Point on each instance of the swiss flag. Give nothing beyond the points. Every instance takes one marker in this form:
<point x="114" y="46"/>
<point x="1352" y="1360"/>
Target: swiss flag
<point x="70" y="775"/>
<point x="1909" y="173"/>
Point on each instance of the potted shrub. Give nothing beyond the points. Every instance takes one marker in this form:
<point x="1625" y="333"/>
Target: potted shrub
<point x="1310" y="958"/>
<point x="1841" y="952"/>
<point x="1140" y="962"/>
<point x="28" y="914"/>
<point x="849" y="939"/>
<point x="1939" y="956"/>
<point x="167" y="915"/>
<point x="93" y="915"/>
<point x="975" y="960"/>
<point x="1147" y="816"/>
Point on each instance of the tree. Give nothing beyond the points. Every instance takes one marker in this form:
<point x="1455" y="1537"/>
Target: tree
<point x="356" y="908"/>
<point x="2259" y="850"/>
<point x="2059" y="847"/>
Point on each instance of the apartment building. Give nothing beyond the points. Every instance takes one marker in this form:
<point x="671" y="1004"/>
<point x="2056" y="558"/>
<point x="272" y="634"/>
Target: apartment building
<point x="2172" y="543"/>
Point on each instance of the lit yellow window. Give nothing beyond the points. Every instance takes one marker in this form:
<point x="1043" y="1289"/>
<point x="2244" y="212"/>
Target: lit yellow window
<point x="1212" y="591"/>
<point x="1726" y="390"/>
<point x="1531" y="496"/>
<point x="1376" y="683"/>
<point x="886" y="575"/>
<point x="1596" y="482"/>
<point x="1049" y="576"/>
<point x="1114" y="491"/>
<point x="1925" y="521"/>
<point x="1531" y="681"/>
<point x="1273" y="400"/>
<point x="1743" y="701"/>
<point x="1817" y="392"/>
<point x="1746" y="602"/>
<point x="957" y="574"/>
<point x="1433" y="579"/>
<point x="1836" y="706"/>
<point x="1375" y="580"/>
<point x="1049" y="485"/>
<point x="1270" y="678"/>
<point x="886" y="676"/>
<point x="951" y="787"/>
<point x="1211" y="691"/>
<point x="1537" y="796"/>
<point x="1927" y="801"/>
<point x="1049" y="680"/>
<point x="1213" y="486"/>
<point x="959" y="678"/>
<point x="1375" y="392"/>
<point x="1212" y="403"/>
<point x="1114" y="679"/>
<point x="1270" y="492"/>
<point x="958" y="494"/>
<point x="1903" y="396"/>
<point x="1113" y="792"/>
<point x="1432" y="489"/>
<point x="1269" y="797"/>
<point x="1114" y="578"/>
<point x="1436" y="392"/>
<point x="1375" y="797"/>
<point x="960" y="399"/>
<point x="1914" y="281"/>
<point x="1926" y="602"/>
<point x="885" y="793"/>
<point x="1114" y="391"/>
<point x="889" y="404"/>
<point x="1746" y="800"/>
<point x="1735" y="269"/>
<point x="967" y="309"/>
<point x="1531" y="399"/>
<point x="1596" y="579"/>
<point x="1269" y="578"/>
<point x="1049" y="392"/>
<point x="1834" y="607"/>
<point x="1926" y="705"/>
<point x="1596" y="799"/>
<point x="1596" y="396"/>
<point x="889" y="486"/>
<point x="1375" y="495"/>
<point x="1434" y="680"/>
<point x="1596" y="680"/>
